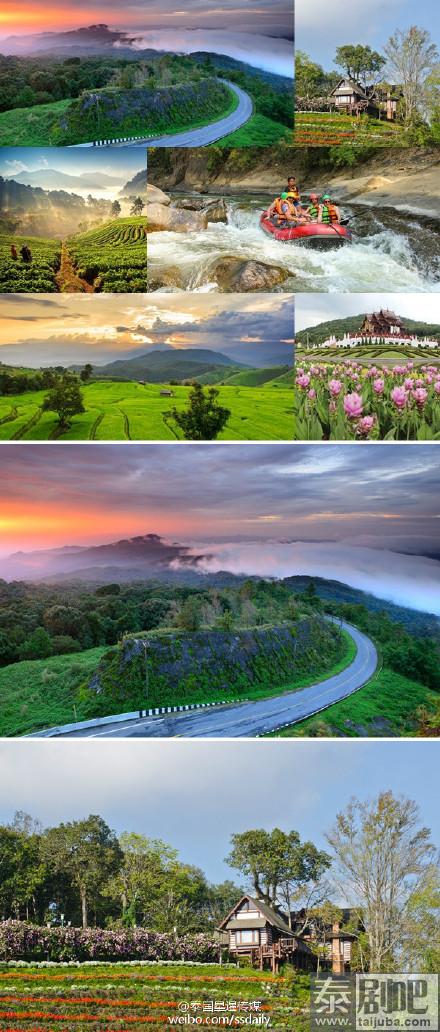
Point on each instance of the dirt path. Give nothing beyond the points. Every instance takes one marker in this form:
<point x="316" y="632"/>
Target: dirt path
<point x="67" y="280"/>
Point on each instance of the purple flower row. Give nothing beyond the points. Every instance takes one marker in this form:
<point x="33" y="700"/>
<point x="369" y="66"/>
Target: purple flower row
<point x="22" y="941"/>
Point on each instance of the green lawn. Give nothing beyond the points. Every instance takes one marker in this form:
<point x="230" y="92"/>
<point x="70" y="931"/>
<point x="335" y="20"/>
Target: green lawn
<point x="132" y="411"/>
<point x="259" y="131"/>
<point x="385" y="706"/>
<point x="369" y="353"/>
<point x="144" y="994"/>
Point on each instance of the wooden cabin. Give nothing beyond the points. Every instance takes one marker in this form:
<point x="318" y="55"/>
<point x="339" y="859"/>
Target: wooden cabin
<point x="167" y="394"/>
<point x="382" y="324"/>
<point x="350" y="98"/>
<point x="255" y="930"/>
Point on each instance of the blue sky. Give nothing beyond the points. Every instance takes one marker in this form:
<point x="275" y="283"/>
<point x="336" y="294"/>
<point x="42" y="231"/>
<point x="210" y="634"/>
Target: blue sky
<point x="121" y="162"/>
<point x="194" y="795"/>
<point x="323" y="26"/>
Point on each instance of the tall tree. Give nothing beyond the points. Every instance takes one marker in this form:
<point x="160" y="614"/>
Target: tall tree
<point x="360" y="63"/>
<point x="88" y="851"/>
<point x="282" y="870"/>
<point x="309" y="76"/>
<point x="137" y="206"/>
<point x="204" y="419"/>
<point x="383" y="857"/>
<point x="412" y="59"/>
<point x="65" y="399"/>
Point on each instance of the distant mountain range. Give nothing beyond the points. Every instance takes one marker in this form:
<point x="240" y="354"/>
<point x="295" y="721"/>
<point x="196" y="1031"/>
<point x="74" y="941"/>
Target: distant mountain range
<point x="138" y="184"/>
<point x="167" y="363"/>
<point x="88" y="40"/>
<point x="143" y="556"/>
<point x="352" y="323"/>
<point x="55" y="179"/>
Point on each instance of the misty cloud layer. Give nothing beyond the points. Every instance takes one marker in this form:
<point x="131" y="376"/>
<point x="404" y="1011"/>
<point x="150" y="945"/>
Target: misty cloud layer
<point x="407" y="580"/>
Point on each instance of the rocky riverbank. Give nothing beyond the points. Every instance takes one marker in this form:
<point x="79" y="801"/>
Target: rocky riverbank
<point x="404" y="178"/>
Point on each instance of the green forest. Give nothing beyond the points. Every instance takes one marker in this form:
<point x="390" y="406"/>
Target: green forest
<point x="54" y="639"/>
<point x="45" y="101"/>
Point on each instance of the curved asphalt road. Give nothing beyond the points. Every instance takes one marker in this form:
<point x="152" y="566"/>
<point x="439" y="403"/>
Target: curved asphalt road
<point x="250" y="719"/>
<point x="199" y="137"/>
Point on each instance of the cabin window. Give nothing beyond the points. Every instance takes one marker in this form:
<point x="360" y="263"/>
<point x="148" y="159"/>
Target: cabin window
<point x="248" y="937"/>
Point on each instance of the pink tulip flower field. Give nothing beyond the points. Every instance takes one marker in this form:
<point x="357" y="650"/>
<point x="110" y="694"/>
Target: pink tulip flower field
<point x="350" y="401"/>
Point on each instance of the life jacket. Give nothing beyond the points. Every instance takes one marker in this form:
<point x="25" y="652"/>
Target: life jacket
<point x="279" y="209"/>
<point x="332" y="212"/>
<point x="313" y="211"/>
<point x="294" y="194"/>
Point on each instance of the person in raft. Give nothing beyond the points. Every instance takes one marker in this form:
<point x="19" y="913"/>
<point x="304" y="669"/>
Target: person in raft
<point x="286" y="211"/>
<point x="329" y="211"/>
<point x="314" y="207"/>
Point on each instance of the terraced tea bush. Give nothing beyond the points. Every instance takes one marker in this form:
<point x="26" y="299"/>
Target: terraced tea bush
<point x="113" y="258"/>
<point x="36" y="276"/>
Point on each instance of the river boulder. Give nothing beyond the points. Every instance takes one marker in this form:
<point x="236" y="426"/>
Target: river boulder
<point x="214" y="211"/>
<point x="157" y="196"/>
<point x="163" y="217"/>
<point x="245" y="276"/>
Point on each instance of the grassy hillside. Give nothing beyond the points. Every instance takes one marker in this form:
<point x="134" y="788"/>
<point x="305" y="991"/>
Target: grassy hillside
<point x="32" y="126"/>
<point x="386" y="706"/>
<point x="110" y="113"/>
<point x="38" y="276"/>
<point x="42" y="692"/>
<point x="132" y="411"/>
<point x="257" y="377"/>
<point x="259" y="131"/>
<point x="170" y="364"/>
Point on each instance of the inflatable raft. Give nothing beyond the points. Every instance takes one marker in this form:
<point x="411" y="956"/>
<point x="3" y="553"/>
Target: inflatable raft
<point x="312" y="233"/>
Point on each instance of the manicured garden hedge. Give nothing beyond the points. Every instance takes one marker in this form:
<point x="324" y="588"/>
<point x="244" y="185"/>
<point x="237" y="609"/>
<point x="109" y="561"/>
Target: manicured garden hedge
<point x="20" y="940"/>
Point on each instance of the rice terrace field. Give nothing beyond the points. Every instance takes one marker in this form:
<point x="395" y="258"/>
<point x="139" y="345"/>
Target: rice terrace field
<point x="132" y="995"/>
<point x="109" y="259"/>
<point x="134" y="411"/>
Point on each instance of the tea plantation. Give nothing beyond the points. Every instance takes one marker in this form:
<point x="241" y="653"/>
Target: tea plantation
<point x="37" y="276"/>
<point x="113" y="258"/>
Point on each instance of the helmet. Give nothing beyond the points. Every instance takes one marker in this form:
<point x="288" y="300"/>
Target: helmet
<point x="284" y="196"/>
<point x="326" y="197"/>
<point x="314" y="197"/>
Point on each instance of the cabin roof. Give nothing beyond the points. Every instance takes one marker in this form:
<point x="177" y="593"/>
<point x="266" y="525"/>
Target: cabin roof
<point x="355" y="87"/>
<point x="268" y="912"/>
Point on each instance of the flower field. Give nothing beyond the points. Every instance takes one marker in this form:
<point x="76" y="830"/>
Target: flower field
<point x="139" y="996"/>
<point x="38" y="276"/>
<point x="113" y="258"/>
<point x="351" y="401"/>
